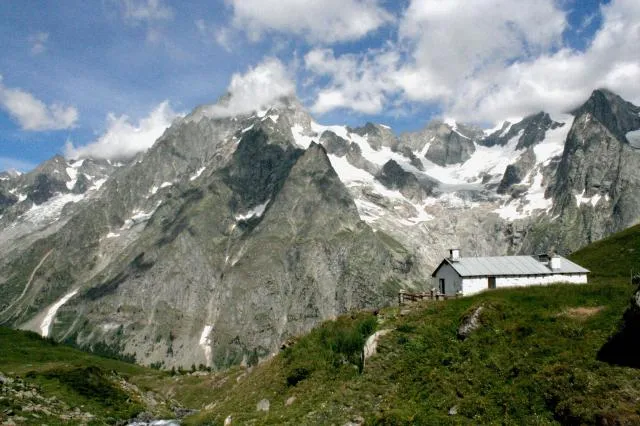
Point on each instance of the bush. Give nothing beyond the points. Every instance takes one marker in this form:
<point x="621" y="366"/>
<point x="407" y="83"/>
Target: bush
<point x="330" y="348"/>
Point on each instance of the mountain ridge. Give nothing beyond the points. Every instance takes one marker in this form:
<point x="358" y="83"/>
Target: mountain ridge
<point x="205" y="213"/>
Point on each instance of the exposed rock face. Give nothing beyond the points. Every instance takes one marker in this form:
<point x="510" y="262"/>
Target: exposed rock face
<point x="613" y="112"/>
<point x="355" y="158"/>
<point x="530" y="130"/>
<point x="450" y="147"/>
<point x="377" y="135"/>
<point x="470" y="324"/>
<point x="214" y="266"/>
<point x="623" y="348"/>
<point x="334" y="144"/>
<point x="395" y="177"/>
<point x="596" y="184"/>
<point x="515" y="173"/>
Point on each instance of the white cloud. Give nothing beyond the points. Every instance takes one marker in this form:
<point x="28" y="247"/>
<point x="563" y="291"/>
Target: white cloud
<point x="123" y="139"/>
<point x="259" y="86"/>
<point x="146" y="10"/>
<point x="359" y="82"/>
<point x="33" y="114"/>
<point x="559" y="81"/>
<point x="325" y="21"/>
<point x="38" y="42"/>
<point x="453" y="46"/>
<point x="483" y="63"/>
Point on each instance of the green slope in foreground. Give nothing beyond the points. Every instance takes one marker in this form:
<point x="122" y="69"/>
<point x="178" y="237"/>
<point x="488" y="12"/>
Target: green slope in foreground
<point x="533" y="361"/>
<point x="43" y="382"/>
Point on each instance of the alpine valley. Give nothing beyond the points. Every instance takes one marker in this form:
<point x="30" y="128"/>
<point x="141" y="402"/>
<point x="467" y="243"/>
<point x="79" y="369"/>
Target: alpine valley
<point x="233" y="234"/>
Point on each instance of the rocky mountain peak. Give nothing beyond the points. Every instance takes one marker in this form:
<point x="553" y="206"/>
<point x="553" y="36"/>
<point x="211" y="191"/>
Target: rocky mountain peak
<point x="529" y="131"/>
<point x="617" y="115"/>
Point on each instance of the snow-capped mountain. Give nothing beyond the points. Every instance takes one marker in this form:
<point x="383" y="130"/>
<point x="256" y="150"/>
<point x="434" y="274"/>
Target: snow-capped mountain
<point x="232" y="234"/>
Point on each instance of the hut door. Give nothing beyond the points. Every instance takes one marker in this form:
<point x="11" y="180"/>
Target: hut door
<point x="442" y="286"/>
<point x="492" y="282"/>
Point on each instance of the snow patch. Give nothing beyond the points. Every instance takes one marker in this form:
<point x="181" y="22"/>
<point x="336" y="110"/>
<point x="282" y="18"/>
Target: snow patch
<point x="22" y="197"/>
<point x="165" y="184"/>
<point x="45" y="326"/>
<point x="255" y="212"/>
<point x="197" y="174"/>
<point x="51" y="209"/>
<point x="384" y="126"/>
<point x="273" y="117"/>
<point x="593" y="200"/>
<point x="138" y="216"/>
<point x="73" y="175"/>
<point x="485" y="160"/>
<point x="112" y="235"/>
<point x="634" y="138"/>
<point x="77" y="164"/>
<point x="205" y="342"/>
<point x="97" y="184"/>
<point x="246" y="129"/>
<point x="553" y="143"/>
<point x="106" y="327"/>
<point x="302" y="139"/>
<point x="531" y="202"/>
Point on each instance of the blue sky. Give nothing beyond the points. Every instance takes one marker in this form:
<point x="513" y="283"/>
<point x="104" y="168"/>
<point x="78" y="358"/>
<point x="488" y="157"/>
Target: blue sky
<point x="110" y="75"/>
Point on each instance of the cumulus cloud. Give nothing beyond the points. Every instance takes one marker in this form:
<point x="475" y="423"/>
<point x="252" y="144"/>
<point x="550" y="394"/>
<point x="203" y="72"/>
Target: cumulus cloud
<point x="124" y="139"/>
<point x="259" y="86"/>
<point x="483" y="63"/>
<point x="561" y="80"/>
<point x="324" y="21"/>
<point x="146" y="10"/>
<point x="33" y="114"/>
<point x="38" y="42"/>
<point x="359" y="82"/>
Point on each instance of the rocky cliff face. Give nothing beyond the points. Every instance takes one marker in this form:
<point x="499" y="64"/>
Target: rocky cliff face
<point x="596" y="185"/>
<point x="222" y="241"/>
<point x="232" y="234"/>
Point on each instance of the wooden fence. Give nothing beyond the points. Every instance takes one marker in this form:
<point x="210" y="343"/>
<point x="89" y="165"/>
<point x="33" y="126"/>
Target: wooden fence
<point x="405" y="297"/>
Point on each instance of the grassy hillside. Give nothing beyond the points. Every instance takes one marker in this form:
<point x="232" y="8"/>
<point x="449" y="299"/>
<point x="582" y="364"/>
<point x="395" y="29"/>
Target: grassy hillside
<point x="533" y="361"/>
<point x="614" y="256"/>
<point x="45" y="382"/>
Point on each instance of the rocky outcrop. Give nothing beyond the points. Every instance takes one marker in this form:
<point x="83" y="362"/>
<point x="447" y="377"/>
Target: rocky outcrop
<point x="334" y="144"/>
<point x="470" y="323"/>
<point x="395" y="177"/>
<point x="613" y="112"/>
<point x="449" y="147"/>
<point x="355" y="158"/>
<point x="530" y="130"/>
<point x="377" y="135"/>
<point x="515" y="173"/>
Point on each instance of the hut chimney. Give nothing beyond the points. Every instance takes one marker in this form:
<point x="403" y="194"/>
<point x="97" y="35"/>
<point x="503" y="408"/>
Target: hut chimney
<point x="454" y="255"/>
<point x="555" y="263"/>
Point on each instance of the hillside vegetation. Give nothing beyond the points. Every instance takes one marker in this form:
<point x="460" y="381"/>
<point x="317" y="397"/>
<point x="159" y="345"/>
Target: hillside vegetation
<point x="533" y="361"/>
<point x="44" y="382"/>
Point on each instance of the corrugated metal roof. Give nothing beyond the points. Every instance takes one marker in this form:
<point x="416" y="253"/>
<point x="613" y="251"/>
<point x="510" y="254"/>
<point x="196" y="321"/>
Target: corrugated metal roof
<point x="511" y="265"/>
